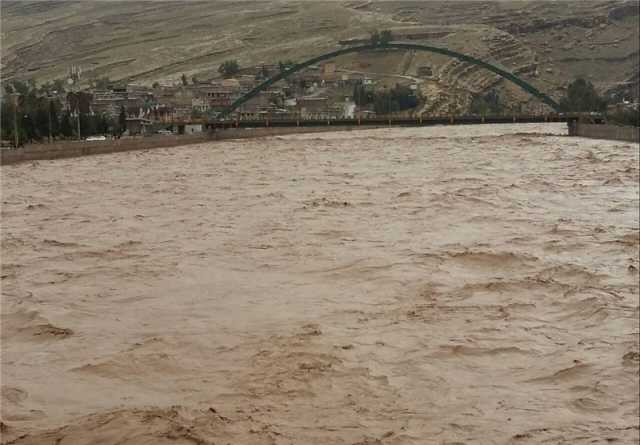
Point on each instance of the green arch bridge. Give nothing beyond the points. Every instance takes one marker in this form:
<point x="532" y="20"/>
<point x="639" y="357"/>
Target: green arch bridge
<point x="526" y="86"/>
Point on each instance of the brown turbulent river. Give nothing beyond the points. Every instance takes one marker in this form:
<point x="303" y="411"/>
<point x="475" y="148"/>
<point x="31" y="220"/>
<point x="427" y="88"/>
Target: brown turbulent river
<point x="396" y="286"/>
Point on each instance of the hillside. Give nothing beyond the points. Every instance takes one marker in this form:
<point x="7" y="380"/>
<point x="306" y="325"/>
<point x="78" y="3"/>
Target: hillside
<point x="548" y="43"/>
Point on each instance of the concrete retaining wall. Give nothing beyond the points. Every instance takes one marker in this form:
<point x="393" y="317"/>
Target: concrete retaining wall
<point x="69" y="149"/>
<point x="611" y="132"/>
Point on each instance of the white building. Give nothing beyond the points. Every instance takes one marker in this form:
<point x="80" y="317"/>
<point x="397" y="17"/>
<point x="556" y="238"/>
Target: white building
<point x="349" y="109"/>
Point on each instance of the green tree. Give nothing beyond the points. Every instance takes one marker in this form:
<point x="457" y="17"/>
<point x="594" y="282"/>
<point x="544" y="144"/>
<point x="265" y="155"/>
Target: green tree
<point x="6" y="119"/>
<point x="66" y="129"/>
<point x="362" y="95"/>
<point x="41" y="120"/>
<point x="404" y="97"/>
<point x="196" y="113"/>
<point x="36" y="112"/>
<point x="102" y="83"/>
<point x="229" y="68"/>
<point x="28" y="127"/>
<point x="59" y="86"/>
<point x="582" y="97"/>
<point x="374" y="37"/>
<point x="628" y="116"/>
<point x="386" y="36"/>
<point x="264" y="73"/>
<point x="87" y="125"/>
<point x="185" y="82"/>
<point x="122" y="120"/>
<point x="156" y="85"/>
<point x="486" y="104"/>
<point x="399" y="98"/>
<point x="54" y="106"/>
<point x="285" y="65"/>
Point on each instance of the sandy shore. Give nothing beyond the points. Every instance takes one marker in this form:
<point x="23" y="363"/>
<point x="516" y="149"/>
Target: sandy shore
<point x="398" y="286"/>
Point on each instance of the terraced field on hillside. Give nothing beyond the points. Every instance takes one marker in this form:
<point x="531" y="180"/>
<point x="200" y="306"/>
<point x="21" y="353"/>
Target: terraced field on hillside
<point x="548" y="43"/>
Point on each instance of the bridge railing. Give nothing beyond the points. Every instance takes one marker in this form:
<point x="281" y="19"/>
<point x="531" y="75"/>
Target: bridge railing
<point x="385" y="121"/>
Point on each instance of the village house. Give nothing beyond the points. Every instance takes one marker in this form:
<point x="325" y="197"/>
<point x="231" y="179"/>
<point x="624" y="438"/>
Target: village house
<point x="108" y="102"/>
<point x="313" y="107"/>
<point x="328" y="72"/>
<point x="137" y="126"/>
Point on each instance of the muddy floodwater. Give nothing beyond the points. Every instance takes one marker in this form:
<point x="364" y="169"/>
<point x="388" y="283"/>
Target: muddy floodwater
<point x="466" y="284"/>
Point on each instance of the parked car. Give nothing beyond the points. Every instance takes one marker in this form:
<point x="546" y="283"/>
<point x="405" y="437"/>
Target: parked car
<point x="96" y="138"/>
<point x="165" y="132"/>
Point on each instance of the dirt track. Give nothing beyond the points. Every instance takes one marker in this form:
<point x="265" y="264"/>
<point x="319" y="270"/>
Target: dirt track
<point x="400" y="286"/>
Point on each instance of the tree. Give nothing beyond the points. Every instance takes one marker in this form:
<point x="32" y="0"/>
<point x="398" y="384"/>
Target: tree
<point x="194" y="80"/>
<point x="28" y="127"/>
<point x="59" y="86"/>
<point x="102" y="83"/>
<point x="386" y="36"/>
<point x="53" y="114"/>
<point x="6" y="122"/>
<point x="486" y="104"/>
<point x="264" y="73"/>
<point x="184" y="80"/>
<point x="87" y="125"/>
<point x="629" y="116"/>
<point x="283" y="66"/>
<point x="362" y="95"/>
<point x="196" y="113"/>
<point x="404" y="97"/>
<point x="156" y="85"/>
<point x="21" y="87"/>
<point x="122" y="120"/>
<point x="41" y="121"/>
<point x="399" y="98"/>
<point x="374" y="37"/>
<point x="582" y="97"/>
<point x="36" y="112"/>
<point x="65" y="125"/>
<point x="229" y="68"/>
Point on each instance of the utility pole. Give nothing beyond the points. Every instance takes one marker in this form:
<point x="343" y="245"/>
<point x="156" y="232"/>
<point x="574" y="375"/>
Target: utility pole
<point x="360" y="88"/>
<point x="79" y="136"/>
<point x="73" y="80"/>
<point x="50" y="129"/>
<point x="388" y="94"/>
<point x="15" y="119"/>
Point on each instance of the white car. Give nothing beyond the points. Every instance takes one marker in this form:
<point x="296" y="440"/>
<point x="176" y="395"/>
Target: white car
<point x="96" y="138"/>
<point x="165" y="132"/>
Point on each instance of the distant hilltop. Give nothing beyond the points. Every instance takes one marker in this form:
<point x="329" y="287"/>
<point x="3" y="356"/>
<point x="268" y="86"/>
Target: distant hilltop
<point x="144" y="42"/>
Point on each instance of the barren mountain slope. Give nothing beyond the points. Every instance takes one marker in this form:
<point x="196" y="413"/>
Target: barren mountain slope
<point x="547" y="42"/>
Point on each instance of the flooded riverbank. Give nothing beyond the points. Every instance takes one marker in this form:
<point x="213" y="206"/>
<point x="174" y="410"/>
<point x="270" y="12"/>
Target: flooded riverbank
<point x="395" y="286"/>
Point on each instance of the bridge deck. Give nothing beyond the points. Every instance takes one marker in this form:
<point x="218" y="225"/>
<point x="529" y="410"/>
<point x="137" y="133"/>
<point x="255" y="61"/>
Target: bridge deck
<point x="377" y="122"/>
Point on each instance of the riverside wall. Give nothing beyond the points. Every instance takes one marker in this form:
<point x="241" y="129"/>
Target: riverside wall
<point x="600" y="131"/>
<point x="70" y="149"/>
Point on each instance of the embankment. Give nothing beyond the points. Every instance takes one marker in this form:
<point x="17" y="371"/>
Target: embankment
<point x="70" y="149"/>
<point x="611" y="132"/>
